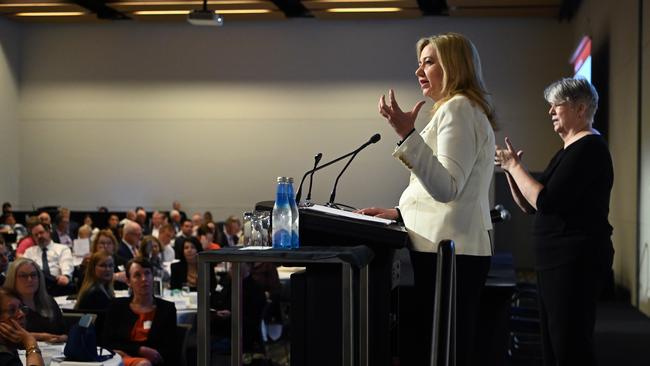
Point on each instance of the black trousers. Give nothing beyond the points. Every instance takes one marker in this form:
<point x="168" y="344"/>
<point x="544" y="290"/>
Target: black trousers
<point x="567" y="299"/>
<point x="470" y="279"/>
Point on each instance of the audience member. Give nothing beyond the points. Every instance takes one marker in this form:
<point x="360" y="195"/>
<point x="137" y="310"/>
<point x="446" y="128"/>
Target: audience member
<point x="176" y="220"/>
<point x="166" y="236"/>
<point x="141" y="219"/>
<point x="88" y="221"/>
<point x="197" y="220"/>
<point x="207" y="217"/>
<point x="206" y="238"/>
<point x="142" y="326"/>
<point x="177" y="206"/>
<point x="84" y="232"/>
<point x="185" y="272"/>
<point x="55" y="260"/>
<point x="27" y="241"/>
<point x="73" y="226"/>
<point x="9" y="225"/>
<point x="157" y="220"/>
<point x="150" y="249"/>
<point x="13" y="334"/>
<point x="61" y="230"/>
<point x="46" y="220"/>
<point x="105" y="241"/>
<point x="7" y="208"/>
<point x="96" y="290"/>
<point x="131" y="235"/>
<point x="186" y="232"/>
<point x="114" y="225"/>
<point x="44" y="318"/>
<point x="228" y="235"/>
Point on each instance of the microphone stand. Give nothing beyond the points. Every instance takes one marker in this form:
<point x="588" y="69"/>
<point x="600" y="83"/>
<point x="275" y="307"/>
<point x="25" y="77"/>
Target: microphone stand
<point x="311" y="176"/>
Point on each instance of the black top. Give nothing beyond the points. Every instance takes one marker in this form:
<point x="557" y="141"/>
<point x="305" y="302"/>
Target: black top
<point x="573" y="206"/>
<point x="9" y="356"/>
<point x="37" y="323"/>
<point x="94" y="299"/>
<point x="161" y="335"/>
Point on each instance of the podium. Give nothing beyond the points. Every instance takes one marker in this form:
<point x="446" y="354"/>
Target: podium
<point x="315" y="320"/>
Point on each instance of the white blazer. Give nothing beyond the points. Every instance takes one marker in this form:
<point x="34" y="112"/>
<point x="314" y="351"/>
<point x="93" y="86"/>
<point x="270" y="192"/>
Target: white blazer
<point x="452" y="164"/>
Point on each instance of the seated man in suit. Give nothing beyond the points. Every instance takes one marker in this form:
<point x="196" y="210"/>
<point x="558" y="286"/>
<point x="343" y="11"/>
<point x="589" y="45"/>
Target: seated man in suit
<point x="227" y="233"/>
<point x="131" y="236"/>
<point x="55" y="261"/>
<point x="61" y="231"/>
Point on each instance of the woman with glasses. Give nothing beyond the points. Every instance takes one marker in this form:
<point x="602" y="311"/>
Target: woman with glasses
<point x="13" y="334"/>
<point x="142" y="326"/>
<point x="105" y="241"/>
<point x="572" y="234"/>
<point x="44" y="319"/>
<point x="96" y="290"/>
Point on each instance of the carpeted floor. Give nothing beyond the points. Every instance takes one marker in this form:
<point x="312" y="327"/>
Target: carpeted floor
<point x="622" y="335"/>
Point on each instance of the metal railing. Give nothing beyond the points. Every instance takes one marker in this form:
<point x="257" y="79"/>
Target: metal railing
<point x="443" y="341"/>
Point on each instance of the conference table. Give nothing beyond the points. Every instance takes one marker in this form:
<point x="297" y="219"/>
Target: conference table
<point x="185" y="302"/>
<point x="53" y="356"/>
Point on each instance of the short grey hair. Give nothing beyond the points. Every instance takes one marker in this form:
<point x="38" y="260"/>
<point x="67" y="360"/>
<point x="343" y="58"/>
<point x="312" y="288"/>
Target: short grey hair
<point x="573" y="91"/>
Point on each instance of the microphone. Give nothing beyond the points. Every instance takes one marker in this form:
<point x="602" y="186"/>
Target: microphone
<point x="499" y="214"/>
<point x="376" y="137"/>
<point x="311" y="176"/>
<point x="372" y="140"/>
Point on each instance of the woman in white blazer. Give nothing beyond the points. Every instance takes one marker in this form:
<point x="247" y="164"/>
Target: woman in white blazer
<point x="451" y="165"/>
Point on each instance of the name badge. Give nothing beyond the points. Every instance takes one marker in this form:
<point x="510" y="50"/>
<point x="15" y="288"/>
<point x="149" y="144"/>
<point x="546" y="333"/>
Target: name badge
<point x="120" y="268"/>
<point x="146" y="324"/>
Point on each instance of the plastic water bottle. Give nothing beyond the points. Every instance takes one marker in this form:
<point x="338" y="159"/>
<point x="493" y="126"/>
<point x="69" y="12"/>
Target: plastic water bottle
<point x="281" y="226"/>
<point x="295" y="216"/>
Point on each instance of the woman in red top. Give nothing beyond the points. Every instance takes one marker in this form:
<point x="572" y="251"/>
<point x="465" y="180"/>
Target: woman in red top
<point x="142" y="328"/>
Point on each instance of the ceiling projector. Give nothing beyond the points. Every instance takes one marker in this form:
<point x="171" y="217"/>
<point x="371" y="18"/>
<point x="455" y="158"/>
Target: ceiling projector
<point x="205" y="18"/>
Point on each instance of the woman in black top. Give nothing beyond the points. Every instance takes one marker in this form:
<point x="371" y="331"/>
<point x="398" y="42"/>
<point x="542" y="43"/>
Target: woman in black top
<point x="186" y="271"/>
<point x="96" y="291"/>
<point x="572" y="235"/>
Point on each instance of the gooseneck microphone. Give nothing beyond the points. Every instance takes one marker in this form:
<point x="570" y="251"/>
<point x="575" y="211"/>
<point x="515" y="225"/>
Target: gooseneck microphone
<point x="373" y="139"/>
<point x="376" y="137"/>
<point x="311" y="176"/>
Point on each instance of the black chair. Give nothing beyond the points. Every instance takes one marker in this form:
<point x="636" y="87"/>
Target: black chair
<point x="525" y="341"/>
<point x="443" y="342"/>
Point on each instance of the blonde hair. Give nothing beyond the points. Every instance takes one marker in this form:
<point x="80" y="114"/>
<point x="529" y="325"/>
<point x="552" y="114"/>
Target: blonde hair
<point x="90" y="277"/>
<point x="42" y="300"/>
<point x="461" y="71"/>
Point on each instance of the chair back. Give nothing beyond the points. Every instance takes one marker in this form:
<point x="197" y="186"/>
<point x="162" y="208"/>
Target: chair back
<point x="443" y="342"/>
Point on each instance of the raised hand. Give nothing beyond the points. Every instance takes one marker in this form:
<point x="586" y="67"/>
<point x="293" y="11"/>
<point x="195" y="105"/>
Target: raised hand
<point x="402" y="122"/>
<point x="507" y="157"/>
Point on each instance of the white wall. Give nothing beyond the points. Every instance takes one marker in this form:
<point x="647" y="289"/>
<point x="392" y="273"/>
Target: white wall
<point x="126" y="114"/>
<point x="9" y="128"/>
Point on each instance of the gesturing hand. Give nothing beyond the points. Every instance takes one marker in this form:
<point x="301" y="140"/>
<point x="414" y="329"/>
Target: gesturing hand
<point x="402" y="122"/>
<point x="507" y="158"/>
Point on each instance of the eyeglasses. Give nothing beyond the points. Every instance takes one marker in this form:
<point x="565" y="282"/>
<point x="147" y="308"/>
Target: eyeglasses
<point x="25" y="276"/>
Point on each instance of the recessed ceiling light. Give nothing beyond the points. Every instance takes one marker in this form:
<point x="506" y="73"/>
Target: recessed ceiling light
<point x="50" y="14"/>
<point x="363" y="10"/>
<point x="185" y="12"/>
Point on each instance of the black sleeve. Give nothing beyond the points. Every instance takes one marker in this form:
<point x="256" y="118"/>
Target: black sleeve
<point x="177" y="276"/>
<point x="7" y="359"/>
<point x="165" y="342"/>
<point x="571" y="179"/>
<point x="58" y="325"/>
